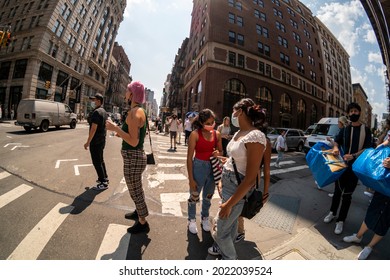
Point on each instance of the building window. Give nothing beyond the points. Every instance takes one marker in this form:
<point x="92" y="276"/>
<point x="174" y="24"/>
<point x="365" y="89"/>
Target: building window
<point x="232" y="37"/>
<point x="4" y="70"/>
<point x="232" y="58"/>
<point x="241" y="61"/>
<point x="232" y="18"/>
<point x="240" y="21"/>
<point x="240" y="39"/>
<point x="45" y="72"/>
<point x="280" y="26"/>
<point x="284" y="58"/>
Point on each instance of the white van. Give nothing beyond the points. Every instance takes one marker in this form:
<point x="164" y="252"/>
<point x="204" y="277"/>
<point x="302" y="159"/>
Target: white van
<point x="326" y="127"/>
<point x="38" y="113"/>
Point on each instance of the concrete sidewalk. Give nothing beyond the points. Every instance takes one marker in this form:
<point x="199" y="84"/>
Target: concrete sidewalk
<point x="290" y="225"/>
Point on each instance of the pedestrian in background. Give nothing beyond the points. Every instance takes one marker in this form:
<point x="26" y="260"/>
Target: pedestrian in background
<point x="203" y="142"/>
<point x="97" y="140"/>
<point x="173" y="124"/>
<point x="133" y="133"/>
<point x="247" y="149"/>
<point x="353" y="139"/>
<point x="179" y="131"/>
<point x="225" y="131"/>
<point x="187" y="130"/>
<point x="377" y="220"/>
<point x="280" y="147"/>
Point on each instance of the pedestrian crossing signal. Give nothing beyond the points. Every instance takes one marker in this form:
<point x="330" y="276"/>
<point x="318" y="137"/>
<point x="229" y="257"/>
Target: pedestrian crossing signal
<point x="47" y="84"/>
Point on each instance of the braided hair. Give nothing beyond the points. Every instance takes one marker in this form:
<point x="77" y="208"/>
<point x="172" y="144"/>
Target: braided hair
<point x="253" y="111"/>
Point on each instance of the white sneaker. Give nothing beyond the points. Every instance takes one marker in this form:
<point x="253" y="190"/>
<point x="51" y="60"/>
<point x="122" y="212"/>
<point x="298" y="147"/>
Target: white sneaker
<point x="330" y="194"/>
<point x="352" y="238"/>
<point x="206" y="224"/>
<point x="339" y="228"/>
<point x="365" y="253"/>
<point x="329" y="218"/>
<point x="192" y="227"/>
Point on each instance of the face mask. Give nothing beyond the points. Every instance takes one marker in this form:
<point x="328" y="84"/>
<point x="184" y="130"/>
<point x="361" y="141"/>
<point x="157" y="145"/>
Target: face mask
<point x="354" y="117"/>
<point x="93" y="104"/>
<point x="209" y="127"/>
<point x="234" y="121"/>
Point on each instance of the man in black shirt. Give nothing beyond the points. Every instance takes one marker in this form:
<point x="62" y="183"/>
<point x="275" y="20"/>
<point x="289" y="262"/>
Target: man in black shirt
<point x="352" y="140"/>
<point x="97" y="140"/>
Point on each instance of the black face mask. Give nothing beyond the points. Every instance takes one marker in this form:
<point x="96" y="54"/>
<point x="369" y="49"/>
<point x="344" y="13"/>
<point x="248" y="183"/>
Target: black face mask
<point x="354" y="117"/>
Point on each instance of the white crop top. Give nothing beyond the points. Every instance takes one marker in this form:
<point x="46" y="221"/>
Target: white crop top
<point x="237" y="150"/>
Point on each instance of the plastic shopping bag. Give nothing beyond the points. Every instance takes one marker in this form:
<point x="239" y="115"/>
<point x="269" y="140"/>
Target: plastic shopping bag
<point x="325" y="167"/>
<point x="370" y="170"/>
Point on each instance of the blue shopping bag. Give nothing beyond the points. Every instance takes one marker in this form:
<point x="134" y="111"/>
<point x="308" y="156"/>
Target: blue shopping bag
<point x="325" y="167"/>
<point x="369" y="169"/>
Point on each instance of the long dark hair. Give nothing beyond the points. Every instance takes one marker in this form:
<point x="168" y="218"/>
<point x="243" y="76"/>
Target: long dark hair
<point x="201" y="118"/>
<point x="253" y="111"/>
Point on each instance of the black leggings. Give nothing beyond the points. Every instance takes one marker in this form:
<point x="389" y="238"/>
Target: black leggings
<point x="98" y="161"/>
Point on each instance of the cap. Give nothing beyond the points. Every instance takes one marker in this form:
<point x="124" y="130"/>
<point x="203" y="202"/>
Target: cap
<point x="97" y="96"/>
<point x="138" y="91"/>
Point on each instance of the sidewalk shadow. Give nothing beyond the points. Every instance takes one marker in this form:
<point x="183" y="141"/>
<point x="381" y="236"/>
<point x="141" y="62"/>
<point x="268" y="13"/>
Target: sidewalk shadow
<point x="137" y="246"/>
<point x="81" y="202"/>
<point x="197" y="250"/>
<point x="248" y="250"/>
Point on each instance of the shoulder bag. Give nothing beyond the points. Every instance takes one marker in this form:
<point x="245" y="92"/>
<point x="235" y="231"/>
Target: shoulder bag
<point x="254" y="201"/>
<point x="150" y="157"/>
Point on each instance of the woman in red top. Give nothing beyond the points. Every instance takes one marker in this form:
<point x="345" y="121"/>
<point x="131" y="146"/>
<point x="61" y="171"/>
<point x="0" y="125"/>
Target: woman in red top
<point x="203" y="143"/>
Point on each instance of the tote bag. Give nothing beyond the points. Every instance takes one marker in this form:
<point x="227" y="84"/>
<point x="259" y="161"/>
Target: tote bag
<point x="325" y="167"/>
<point x="370" y="170"/>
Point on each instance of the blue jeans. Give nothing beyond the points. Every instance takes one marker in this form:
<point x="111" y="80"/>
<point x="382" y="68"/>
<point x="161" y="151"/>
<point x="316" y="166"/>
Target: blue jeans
<point x="204" y="179"/>
<point x="226" y="231"/>
<point x="280" y="156"/>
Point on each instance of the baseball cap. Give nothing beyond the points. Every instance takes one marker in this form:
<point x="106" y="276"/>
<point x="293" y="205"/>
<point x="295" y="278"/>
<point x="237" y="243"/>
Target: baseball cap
<point x="97" y="96"/>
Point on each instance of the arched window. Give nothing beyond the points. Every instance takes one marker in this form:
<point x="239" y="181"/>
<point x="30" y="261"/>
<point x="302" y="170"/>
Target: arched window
<point x="264" y="98"/>
<point x="314" y="114"/>
<point x="234" y="91"/>
<point x="301" y="114"/>
<point x="198" y="92"/>
<point x="285" y="104"/>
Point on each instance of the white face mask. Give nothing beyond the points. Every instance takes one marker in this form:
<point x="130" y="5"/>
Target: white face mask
<point x="93" y="104"/>
<point x="234" y="120"/>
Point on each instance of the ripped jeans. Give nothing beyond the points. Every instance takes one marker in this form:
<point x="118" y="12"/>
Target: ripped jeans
<point x="204" y="179"/>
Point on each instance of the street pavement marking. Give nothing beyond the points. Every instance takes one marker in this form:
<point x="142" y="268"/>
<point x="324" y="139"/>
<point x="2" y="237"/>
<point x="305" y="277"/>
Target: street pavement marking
<point x="76" y="168"/>
<point x="14" y="194"/>
<point x="172" y="157"/>
<point x="170" y="202"/>
<point x="61" y="160"/>
<point x="170" y="165"/>
<point x="283" y="162"/>
<point x="286" y="170"/>
<point x="36" y="240"/>
<point x="173" y="153"/>
<point x="4" y="174"/>
<point x="115" y="243"/>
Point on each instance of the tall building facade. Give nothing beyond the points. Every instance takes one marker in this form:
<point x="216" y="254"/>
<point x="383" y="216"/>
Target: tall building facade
<point x="273" y="51"/>
<point x="60" y="50"/>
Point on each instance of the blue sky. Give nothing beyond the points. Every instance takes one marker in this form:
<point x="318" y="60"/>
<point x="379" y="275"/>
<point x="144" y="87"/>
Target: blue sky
<point x="153" y="31"/>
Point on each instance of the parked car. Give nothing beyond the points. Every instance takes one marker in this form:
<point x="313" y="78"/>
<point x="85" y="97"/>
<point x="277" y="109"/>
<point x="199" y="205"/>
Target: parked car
<point x="326" y="127"/>
<point x="295" y="138"/>
<point x="310" y="129"/>
<point x="39" y="113"/>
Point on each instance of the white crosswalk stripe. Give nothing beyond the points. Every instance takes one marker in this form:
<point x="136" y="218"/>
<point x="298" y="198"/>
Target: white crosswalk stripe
<point x="115" y="243"/>
<point x="14" y="194"/>
<point x="33" y="244"/>
<point x="4" y="174"/>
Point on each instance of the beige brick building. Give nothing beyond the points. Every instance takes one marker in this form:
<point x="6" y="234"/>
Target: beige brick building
<point x="60" y="50"/>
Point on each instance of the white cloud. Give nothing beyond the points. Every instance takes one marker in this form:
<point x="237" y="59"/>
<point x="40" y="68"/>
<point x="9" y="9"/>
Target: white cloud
<point x="342" y="20"/>
<point x="375" y="57"/>
<point x="369" y="36"/>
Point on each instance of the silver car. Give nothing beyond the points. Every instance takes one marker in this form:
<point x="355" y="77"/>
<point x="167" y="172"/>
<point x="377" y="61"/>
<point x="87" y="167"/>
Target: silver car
<point x="295" y="138"/>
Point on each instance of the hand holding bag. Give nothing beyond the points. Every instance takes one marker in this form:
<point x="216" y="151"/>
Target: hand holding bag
<point x="254" y="202"/>
<point x="150" y="157"/>
<point x="216" y="164"/>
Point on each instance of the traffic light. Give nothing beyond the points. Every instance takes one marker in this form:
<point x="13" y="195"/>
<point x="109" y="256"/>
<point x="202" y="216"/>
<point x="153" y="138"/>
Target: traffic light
<point x="47" y="84"/>
<point x="5" y="38"/>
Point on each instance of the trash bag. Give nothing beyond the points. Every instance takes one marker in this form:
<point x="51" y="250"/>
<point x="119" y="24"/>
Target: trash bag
<point x="325" y="167"/>
<point x="370" y="170"/>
